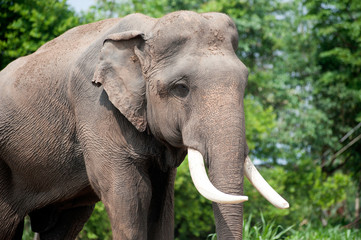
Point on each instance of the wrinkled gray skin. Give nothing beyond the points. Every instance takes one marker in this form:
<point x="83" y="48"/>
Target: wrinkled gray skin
<point x="107" y="111"/>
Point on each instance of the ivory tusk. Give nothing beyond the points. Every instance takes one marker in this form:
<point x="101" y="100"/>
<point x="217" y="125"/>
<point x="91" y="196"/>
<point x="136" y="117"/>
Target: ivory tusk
<point x="204" y="185"/>
<point x="262" y="186"/>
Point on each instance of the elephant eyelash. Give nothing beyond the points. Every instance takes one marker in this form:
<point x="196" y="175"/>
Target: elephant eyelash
<point x="180" y="80"/>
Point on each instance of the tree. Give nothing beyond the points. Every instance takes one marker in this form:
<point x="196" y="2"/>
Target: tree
<point x="337" y="86"/>
<point x="315" y="90"/>
<point x="25" y="25"/>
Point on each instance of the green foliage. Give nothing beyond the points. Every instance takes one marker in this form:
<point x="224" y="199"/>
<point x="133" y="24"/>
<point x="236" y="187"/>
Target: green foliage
<point x="310" y="232"/>
<point x="25" y="25"/>
<point x="310" y="194"/>
<point x="98" y="226"/>
<point x="154" y="8"/>
<point x="268" y="230"/>
<point x="27" y="234"/>
<point x="336" y="85"/>
<point x="264" y="230"/>
<point x="259" y="122"/>
<point x="277" y="178"/>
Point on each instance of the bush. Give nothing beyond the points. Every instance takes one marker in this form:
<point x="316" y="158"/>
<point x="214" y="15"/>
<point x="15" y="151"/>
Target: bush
<point x="98" y="226"/>
<point x="310" y="193"/>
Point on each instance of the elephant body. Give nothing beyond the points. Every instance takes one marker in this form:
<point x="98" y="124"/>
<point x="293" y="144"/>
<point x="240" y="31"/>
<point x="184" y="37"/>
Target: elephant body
<point x="106" y="112"/>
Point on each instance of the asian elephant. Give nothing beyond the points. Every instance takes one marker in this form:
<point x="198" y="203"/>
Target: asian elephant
<point x="108" y="110"/>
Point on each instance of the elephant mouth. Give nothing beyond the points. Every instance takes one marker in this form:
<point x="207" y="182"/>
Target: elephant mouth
<point x="207" y="190"/>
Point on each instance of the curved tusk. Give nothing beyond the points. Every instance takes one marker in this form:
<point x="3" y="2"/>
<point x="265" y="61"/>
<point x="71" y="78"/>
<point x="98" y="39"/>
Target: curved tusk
<point x="262" y="186"/>
<point x="204" y="185"/>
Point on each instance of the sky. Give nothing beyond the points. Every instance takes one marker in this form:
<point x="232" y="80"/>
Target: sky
<point x="80" y="5"/>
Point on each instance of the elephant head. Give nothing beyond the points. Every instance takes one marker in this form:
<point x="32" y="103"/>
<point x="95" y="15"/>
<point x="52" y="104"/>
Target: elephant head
<point x="182" y="82"/>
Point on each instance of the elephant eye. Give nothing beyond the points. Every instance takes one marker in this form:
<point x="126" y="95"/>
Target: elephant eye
<point x="180" y="90"/>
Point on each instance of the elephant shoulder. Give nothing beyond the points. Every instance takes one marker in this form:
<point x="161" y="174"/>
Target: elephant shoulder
<point x="79" y="37"/>
<point x="85" y="36"/>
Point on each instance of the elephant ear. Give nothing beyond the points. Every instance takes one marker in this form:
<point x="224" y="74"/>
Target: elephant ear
<point x="119" y="71"/>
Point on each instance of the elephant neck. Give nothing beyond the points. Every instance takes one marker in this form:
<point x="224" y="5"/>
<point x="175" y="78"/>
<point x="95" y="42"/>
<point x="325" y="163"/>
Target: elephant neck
<point x="166" y="157"/>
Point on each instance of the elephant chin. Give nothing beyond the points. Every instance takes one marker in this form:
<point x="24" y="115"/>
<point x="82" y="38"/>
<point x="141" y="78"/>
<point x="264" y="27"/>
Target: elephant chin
<point x="207" y="190"/>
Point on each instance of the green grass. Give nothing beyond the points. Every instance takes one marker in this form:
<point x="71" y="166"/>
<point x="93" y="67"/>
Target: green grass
<point x="261" y="231"/>
<point x="325" y="233"/>
<point x="270" y="231"/>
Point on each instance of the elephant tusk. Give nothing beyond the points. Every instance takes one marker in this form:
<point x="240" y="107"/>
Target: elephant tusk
<point x="204" y="185"/>
<point x="262" y="186"/>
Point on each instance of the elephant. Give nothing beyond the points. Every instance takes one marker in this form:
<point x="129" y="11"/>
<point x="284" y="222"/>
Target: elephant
<point x="107" y="111"/>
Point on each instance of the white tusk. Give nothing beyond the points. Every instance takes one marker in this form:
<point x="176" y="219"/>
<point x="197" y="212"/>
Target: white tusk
<point x="204" y="185"/>
<point x="262" y="186"/>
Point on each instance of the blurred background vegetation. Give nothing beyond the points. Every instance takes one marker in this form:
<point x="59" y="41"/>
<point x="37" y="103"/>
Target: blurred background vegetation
<point x="303" y="107"/>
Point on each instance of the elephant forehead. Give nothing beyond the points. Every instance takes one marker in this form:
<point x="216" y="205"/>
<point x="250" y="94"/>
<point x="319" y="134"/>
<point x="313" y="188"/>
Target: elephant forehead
<point x="210" y="31"/>
<point x="187" y="20"/>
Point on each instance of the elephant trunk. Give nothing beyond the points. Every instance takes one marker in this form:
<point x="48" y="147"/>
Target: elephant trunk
<point x="224" y="151"/>
<point x="227" y="160"/>
<point x="226" y="157"/>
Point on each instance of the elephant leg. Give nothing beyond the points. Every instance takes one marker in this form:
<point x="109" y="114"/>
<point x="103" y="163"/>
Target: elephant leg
<point x="65" y="224"/>
<point x="127" y="200"/>
<point x="11" y="226"/>
<point x="161" y="213"/>
<point x="11" y="222"/>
